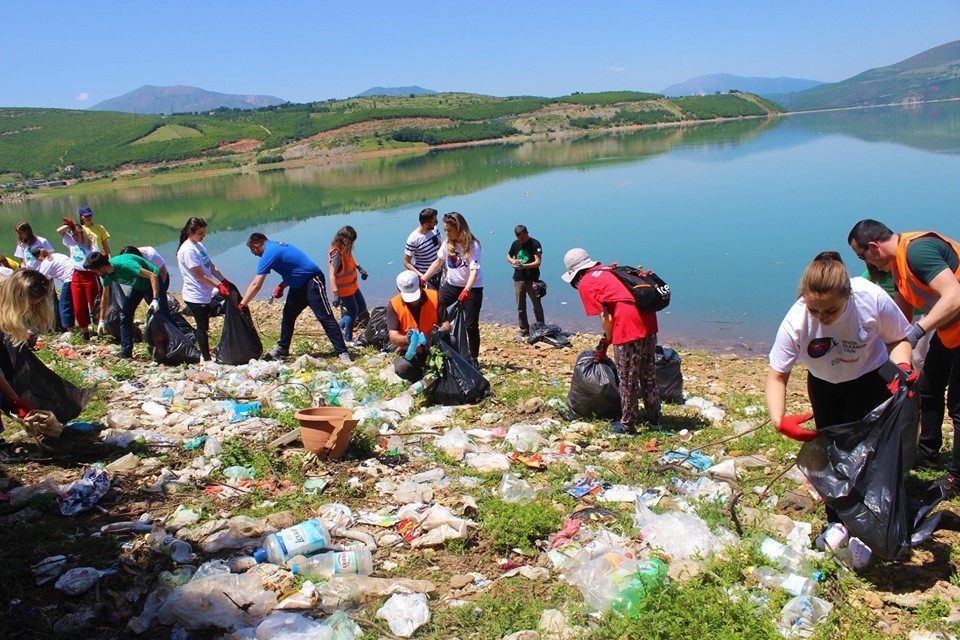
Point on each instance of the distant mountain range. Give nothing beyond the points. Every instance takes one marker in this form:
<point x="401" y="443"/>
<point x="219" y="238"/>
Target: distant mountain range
<point x="723" y="82"/>
<point x="931" y="75"/>
<point x="181" y="99"/>
<point x="395" y="91"/>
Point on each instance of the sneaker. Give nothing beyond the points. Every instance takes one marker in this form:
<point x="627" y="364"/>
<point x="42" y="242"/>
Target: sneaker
<point x="277" y="353"/>
<point x="618" y="427"/>
<point x="352" y="344"/>
<point x="950" y="485"/>
<point x="832" y="538"/>
<point x="345" y="357"/>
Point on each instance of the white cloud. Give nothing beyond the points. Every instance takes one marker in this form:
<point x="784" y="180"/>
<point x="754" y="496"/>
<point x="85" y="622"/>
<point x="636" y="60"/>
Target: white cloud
<point x="616" y="69"/>
<point x="83" y="96"/>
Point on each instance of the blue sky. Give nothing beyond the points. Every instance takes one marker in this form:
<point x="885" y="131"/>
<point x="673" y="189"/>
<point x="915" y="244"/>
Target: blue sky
<point x="75" y="54"/>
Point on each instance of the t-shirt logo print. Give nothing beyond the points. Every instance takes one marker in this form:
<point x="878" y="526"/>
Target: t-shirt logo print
<point x="819" y="347"/>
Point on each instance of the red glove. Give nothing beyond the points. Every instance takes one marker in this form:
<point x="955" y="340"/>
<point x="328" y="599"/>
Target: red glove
<point x="278" y="290"/>
<point x="912" y="376"/>
<point x="423" y="283"/>
<point x="69" y="222"/>
<point x="601" y="351"/>
<point x="463" y="295"/>
<point x="224" y="289"/>
<point x="790" y="427"/>
<point x="22" y="407"/>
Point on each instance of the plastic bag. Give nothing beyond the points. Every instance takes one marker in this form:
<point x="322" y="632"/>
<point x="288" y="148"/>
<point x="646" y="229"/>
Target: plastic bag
<point x="115" y="298"/>
<point x="458" y="329"/>
<point x="39" y="385"/>
<point x="595" y="388"/>
<point x="860" y="470"/>
<point x="167" y="343"/>
<point x="669" y="378"/>
<point x="239" y="341"/>
<point x="375" y="334"/>
<point x="550" y="333"/>
<point x="227" y="601"/>
<point x="459" y="381"/>
<point x="183" y="324"/>
<point x="454" y="443"/>
<point x="680" y="535"/>
<point x="405" y="613"/>
<point x="513" y="488"/>
<point x="801" y="614"/>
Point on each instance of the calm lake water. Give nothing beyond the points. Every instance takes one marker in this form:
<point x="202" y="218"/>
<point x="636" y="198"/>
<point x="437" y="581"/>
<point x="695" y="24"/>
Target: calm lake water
<point x="728" y="214"/>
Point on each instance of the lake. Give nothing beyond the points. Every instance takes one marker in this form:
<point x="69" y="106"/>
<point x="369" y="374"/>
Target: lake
<point x="729" y="214"/>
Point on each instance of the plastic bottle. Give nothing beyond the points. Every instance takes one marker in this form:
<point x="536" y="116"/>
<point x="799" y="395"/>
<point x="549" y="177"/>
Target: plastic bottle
<point x="327" y="565"/>
<point x="784" y="557"/>
<point x="161" y="542"/>
<point x="649" y="577"/>
<point x="301" y="539"/>
<point x="790" y="582"/>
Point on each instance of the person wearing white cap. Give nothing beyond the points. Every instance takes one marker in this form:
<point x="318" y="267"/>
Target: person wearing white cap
<point x="632" y="332"/>
<point x="412" y="315"/>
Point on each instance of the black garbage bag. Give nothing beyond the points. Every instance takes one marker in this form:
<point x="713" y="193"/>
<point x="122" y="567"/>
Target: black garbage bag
<point x="459" y="381"/>
<point x="167" y="343"/>
<point x="40" y="386"/>
<point x="860" y="469"/>
<point x="183" y="324"/>
<point x="115" y="297"/>
<point x="595" y="388"/>
<point x="669" y="377"/>
<point x="375" y="334"/>
<point x="363" y="318"/>
<point x="458" y="329"/>
<point x="552" y="334"/>
<point x="239" y="341"/>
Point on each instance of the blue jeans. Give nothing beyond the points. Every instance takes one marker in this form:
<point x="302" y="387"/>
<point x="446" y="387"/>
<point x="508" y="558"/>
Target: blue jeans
<point x="352" y="307"/>
<point x="66" y="306"/>
<point x="127" y="313"/>
<point x="313" y="294"/>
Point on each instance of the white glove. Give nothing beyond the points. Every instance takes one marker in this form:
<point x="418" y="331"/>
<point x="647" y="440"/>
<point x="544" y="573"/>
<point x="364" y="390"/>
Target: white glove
<point x="101" y="328"/>
<point x="154" y="305"/>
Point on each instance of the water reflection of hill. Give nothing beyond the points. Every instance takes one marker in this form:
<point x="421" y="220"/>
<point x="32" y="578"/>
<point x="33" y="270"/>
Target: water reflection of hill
<point x="933" y="126"/>
<point x="151" y="214"/>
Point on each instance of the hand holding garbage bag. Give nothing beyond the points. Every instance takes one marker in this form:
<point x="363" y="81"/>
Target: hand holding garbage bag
<point x="790" y="427"/>
<point x="463" y="295"/>
<point x="223" y="289"/>
<point x="909" y="378"/>
<point x="601" y="351"/>
<point x="21" y="407"/>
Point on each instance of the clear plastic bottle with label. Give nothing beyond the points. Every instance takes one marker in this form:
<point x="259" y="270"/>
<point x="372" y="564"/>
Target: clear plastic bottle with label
<point x="302" y="539"/>
<point x="790" y="582"/>
<point x="324" y="566"/>
<point x="784" y="557"/>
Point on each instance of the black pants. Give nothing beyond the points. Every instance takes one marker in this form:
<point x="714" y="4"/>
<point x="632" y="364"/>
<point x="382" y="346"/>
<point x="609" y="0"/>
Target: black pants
<point x="313" y="294"/>
<point x="940" y="373"/>
<point x="471" y="310"/>
<point x="201" y="315"/>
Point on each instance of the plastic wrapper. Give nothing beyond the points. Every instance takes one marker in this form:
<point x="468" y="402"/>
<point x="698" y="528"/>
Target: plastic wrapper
<point x="82" y="494"/>
<point x="680" y="535"/>
<point x="860" y="470"/>
<point x="405" y="613"/>
<point x="515" y="489"/>
<point x="595" y="388"/>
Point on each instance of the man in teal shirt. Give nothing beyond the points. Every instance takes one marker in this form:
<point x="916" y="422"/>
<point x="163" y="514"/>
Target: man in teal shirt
<point x="144" y="280"/>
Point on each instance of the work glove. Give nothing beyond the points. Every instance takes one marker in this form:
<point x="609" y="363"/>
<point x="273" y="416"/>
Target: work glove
<point x="417" y="341"/>
<point x="154" y="306"/>
<point x="910" y="380"/>
<point x="463" y="296"/>
<point x="916" y="333"/>
<point x="22" y="407"/>
<point x="278" y="290"/>
<point x="101" y="328"/>
<point x="224" y="289"/>
<point x="363" y="273"/>
<point x="790" y="427"/>
<point x="70" y="223"/>
<point x="335" y="300"/>
<point x="601" y="351"/>
<point x="423" y="283"/>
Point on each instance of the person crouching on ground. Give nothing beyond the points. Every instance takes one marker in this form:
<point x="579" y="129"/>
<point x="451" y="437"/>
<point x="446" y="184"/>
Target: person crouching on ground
<point x="144" y="281"/>
<point x="632" y="332"/>
<point x="25" y="312"/>
<point x="412" y="316"/>
<point x="307" y="288"/>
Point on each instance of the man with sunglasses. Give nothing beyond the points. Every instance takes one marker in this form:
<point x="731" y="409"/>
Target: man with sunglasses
<point x="307" y="289"/>
<point x="422" y="246"/>
<point x="926" y="271"/>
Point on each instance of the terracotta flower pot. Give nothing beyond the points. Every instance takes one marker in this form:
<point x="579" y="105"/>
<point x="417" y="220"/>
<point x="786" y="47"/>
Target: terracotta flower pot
<point x="318" y="426"/>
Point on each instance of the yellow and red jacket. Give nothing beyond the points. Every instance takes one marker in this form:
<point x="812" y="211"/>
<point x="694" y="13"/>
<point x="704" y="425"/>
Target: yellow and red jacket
<point x="428" y="312"/>
<point x="918" y="293"/>
<point x="347" y="274"/>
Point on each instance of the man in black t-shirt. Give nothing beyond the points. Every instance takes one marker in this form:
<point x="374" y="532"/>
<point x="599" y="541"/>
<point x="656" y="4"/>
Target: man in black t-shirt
<point x="525" y="256"/>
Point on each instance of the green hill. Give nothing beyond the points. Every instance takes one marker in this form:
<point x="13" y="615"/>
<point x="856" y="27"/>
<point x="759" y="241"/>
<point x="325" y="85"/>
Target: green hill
<point x="48" y="143"/>
<point x="931" y="75"/>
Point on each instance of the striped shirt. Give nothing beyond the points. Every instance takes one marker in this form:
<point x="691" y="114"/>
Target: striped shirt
<point x="422" y="248"/>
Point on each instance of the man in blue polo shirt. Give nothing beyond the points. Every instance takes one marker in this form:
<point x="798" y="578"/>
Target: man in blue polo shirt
<point x="307" y="288"/>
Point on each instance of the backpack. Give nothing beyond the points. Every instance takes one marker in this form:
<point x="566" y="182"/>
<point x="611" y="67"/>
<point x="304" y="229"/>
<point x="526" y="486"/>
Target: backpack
<point x="375" y="333"/>
<point x="649" y="290"/>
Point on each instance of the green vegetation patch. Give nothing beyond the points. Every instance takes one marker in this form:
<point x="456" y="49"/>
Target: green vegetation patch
<point x="169" y="132"/>
<point x="607" y="98"/>
<point x="513" y="525"/>
<point x="729" y="105"/>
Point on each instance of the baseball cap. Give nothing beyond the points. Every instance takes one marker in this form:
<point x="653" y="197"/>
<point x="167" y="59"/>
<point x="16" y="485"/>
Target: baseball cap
<point x="575" y="261"/>
<point x="409" y="285"/>
<point x="86" y="212"/>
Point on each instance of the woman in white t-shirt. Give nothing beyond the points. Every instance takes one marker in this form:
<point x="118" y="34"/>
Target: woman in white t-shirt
<point x="198" y="272"/>
<point x="843" y="329"/>
<point x="26" y="240"/>
<point x="460" y="254"/>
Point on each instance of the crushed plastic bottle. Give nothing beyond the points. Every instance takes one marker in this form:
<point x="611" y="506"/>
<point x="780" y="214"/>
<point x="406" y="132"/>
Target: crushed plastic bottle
<point x="792" y="583"/>
<point x="302" y="539"/>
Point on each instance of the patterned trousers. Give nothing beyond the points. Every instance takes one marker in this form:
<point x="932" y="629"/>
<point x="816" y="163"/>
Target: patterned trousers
<point x="638" y="374"/>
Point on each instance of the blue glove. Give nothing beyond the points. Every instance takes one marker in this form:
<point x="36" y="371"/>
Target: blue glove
<point x="417" y="340"/>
